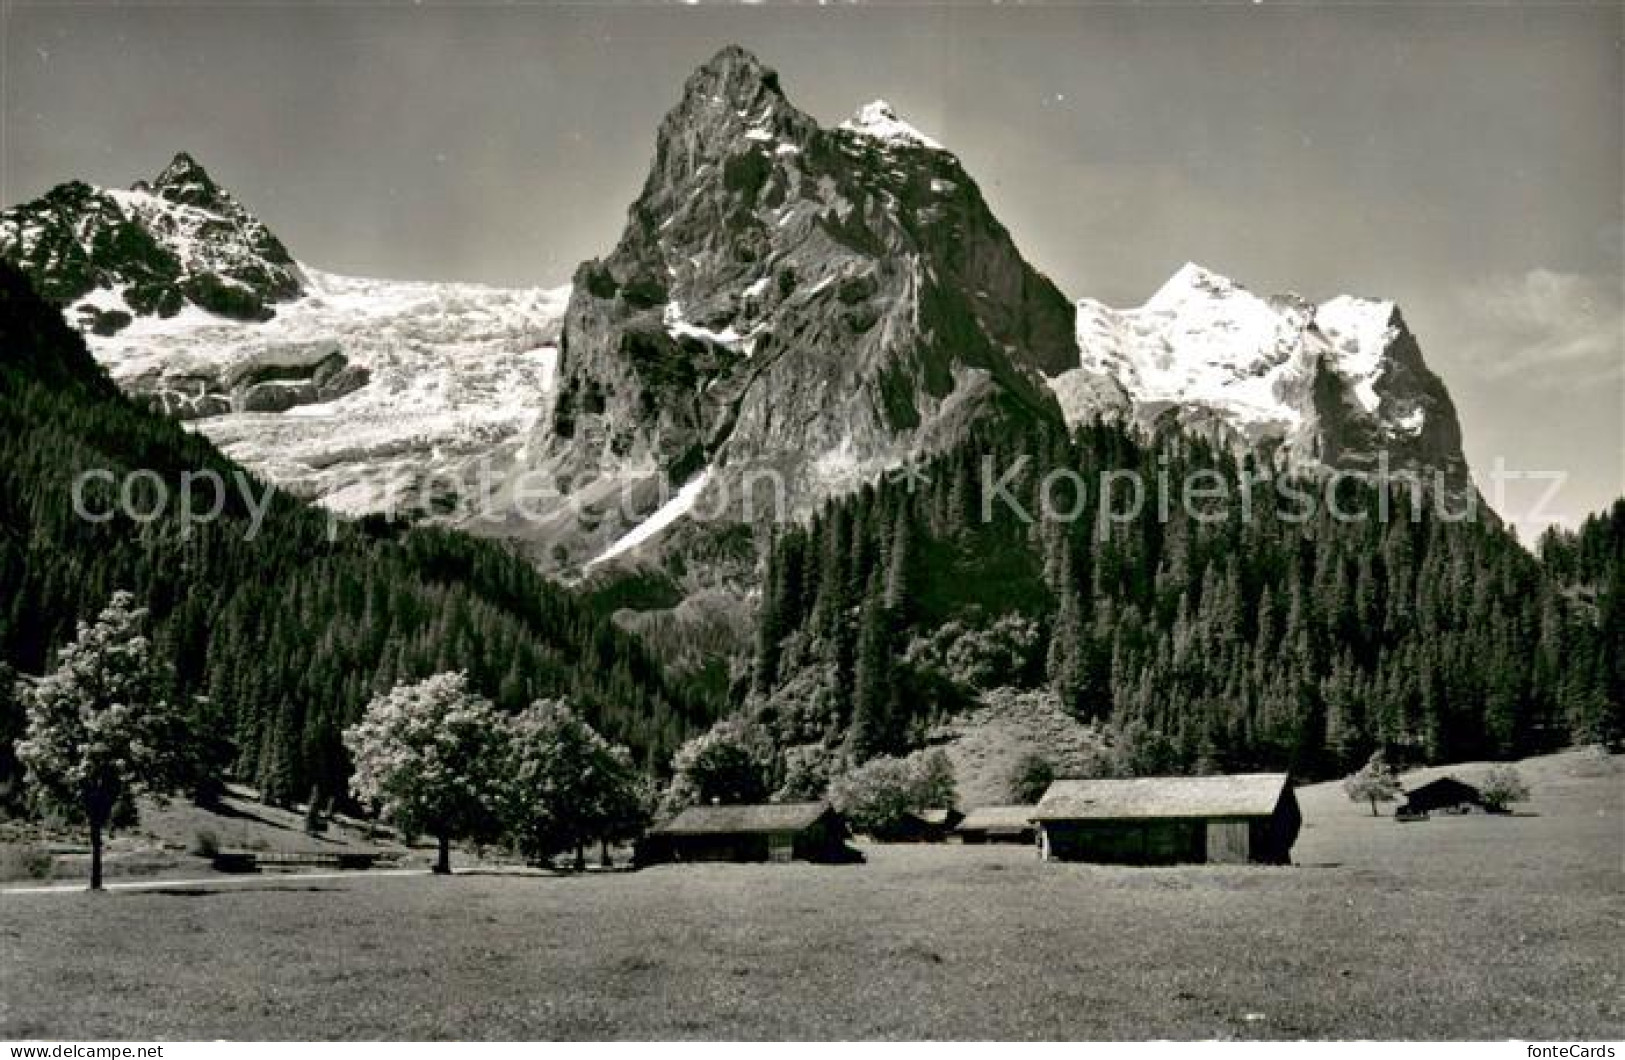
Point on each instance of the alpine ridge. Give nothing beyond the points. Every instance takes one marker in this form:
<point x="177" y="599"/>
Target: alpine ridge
<point x="821" y="303"/>
<point x="789" y="304"/>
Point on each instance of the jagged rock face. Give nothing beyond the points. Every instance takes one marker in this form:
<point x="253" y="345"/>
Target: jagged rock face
<point x="300" y="375"/>
<point x="110" y="256"/>
<point x="1335" y="385"/>
<point x="824" y="302"/>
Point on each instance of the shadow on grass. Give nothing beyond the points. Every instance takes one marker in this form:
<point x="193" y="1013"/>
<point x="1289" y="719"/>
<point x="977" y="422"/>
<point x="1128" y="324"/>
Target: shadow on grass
<point x="226" y="810"/>
<point x="211" y="892"/>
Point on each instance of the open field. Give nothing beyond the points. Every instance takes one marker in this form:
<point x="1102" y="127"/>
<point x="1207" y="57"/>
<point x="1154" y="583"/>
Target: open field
<point x="1474" y="927"/>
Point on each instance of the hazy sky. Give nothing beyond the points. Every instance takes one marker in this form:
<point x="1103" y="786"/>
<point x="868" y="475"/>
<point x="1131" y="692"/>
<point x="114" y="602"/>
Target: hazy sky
<point x="1463" y="159"/>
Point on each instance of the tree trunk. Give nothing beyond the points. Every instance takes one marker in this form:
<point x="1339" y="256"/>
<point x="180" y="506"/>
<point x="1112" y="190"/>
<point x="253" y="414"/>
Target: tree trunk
<point x="603" y="855"/>
<point x="95" y="854"/>
<point x="442" y="865"/>
<point x="581" y="858"/>
<point x="1374" y="812"/>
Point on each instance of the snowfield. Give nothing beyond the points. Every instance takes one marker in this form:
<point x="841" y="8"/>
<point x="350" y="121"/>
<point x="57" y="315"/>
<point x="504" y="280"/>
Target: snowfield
<point x="668" y="513"/>
<point x="878" y="121"/>
<point x="1203" y="341"/>
<point x="455" y="371"/>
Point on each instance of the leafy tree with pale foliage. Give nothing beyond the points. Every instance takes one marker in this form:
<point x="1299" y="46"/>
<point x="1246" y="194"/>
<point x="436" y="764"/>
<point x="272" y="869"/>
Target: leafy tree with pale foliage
<point x="100" y="729"/>
<point x="1503" y="786"/>
<point x="1375" y="782"/>
<point x="428" y="756"/>
<point x="566" y="786"/>
<point x="934" y="784"/>
<point x="718" y="766"/>
<point x="877" y="795"/>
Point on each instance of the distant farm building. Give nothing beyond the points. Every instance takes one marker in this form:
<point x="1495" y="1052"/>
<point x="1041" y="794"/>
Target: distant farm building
<point x="800" y="831"/>
<point x="1445" y="795"/>
<point x="1170" y="820"/>
<point x="926" y="826"/>
<point x="998" y="824"/>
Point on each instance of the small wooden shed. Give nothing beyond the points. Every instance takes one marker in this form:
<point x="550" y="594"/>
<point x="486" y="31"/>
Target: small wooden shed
<point x="926" y="826"/>
<point x="1170" y="820"/>
<point x="797" y="831"/>
<point x="998" y="824"/>
<point x="1447" y="795"/>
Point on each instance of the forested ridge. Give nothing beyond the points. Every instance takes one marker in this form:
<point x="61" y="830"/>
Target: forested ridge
<point x="287" y="635"/>
<point x="1220" y="643"/>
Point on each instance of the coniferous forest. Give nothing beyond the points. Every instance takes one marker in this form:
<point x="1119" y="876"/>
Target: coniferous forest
<point x="279" y="641"/>
<point x="1219" y="643"/>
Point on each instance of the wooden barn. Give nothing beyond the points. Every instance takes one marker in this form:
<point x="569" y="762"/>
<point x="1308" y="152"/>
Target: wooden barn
<point x="926" y="826"/>
<point x="798" y="831"/>
<point x="1170" y="820"/>
<point x="998" y="824"/>
<point x="1446" y="795"/>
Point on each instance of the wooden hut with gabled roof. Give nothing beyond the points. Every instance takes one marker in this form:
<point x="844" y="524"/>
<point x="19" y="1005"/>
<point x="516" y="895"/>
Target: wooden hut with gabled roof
<point x="791" y="831"/>
<point x="1446" y="794"/>
<point x="997" y="824"/>
<point x="1169" y="820"/>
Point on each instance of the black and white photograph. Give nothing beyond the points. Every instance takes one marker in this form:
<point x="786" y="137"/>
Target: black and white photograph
<point x="811" y="521"/>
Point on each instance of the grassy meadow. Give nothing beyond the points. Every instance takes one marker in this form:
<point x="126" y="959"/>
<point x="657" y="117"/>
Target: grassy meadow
<point x="1470" y="927"/>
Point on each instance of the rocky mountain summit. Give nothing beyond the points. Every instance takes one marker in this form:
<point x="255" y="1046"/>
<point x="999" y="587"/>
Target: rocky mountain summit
<point x="821" y="303"/>
<point x="111" y="255"/>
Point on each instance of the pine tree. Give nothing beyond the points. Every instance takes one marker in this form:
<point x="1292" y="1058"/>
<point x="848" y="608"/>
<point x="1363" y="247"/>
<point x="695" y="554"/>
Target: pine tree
<point x="873" y="687"/>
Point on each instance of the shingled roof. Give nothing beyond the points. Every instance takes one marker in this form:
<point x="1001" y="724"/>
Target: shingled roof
<point x="998" y="818"/>
<point x="1240" y="795"/>
<point x="750" y="819"/>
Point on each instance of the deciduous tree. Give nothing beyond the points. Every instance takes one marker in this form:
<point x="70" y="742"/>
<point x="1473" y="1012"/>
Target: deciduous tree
<point x="878" y="795"/>
<point x="100" y="729"/>
<point x="566" y="786"/>
<point x="429" y="756"/>
<point x="1030" y="777"/>
<point x="1375" y="782"/>
<point x="1503" y="786"/>
<point x="715" y="767"/>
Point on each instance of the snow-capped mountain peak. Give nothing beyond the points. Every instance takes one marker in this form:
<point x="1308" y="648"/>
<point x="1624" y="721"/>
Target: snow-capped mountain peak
<point x="110" y="256"/>
<point x="824" y="303"/>
<point x="1191" y="281"/>
<point x="1328" y="385"/>
<point x="185" y="181"/>
<point x="879" y="121"/>
<point x="341" y="389"/>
